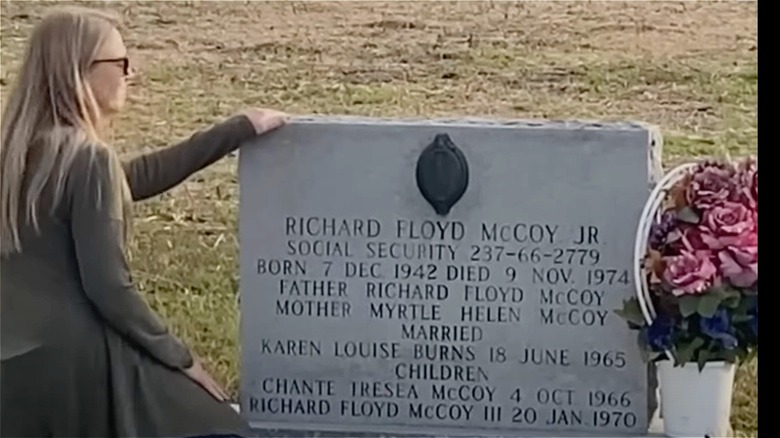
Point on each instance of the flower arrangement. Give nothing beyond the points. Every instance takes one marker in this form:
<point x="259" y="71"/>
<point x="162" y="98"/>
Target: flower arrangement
<point x="701" y="268"/>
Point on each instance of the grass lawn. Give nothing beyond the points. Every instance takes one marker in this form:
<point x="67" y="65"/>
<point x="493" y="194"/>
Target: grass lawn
<point x="690" y="68"/>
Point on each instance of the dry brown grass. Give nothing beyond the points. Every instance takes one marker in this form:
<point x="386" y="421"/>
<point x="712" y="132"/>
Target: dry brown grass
<point x="690" y="68"/>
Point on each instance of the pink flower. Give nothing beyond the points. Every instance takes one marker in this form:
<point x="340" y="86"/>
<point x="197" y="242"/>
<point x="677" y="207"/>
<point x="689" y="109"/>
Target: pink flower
<point x="725" y="224"/>
<point x="739" y="264"/>
<point x="692" y="239"/>
<point x="690" y="273"/>
<point x="695" y="238"/>
<point x="748" y="181"/>
<point x="754" y="187"/>
<point x="711" y="184"/>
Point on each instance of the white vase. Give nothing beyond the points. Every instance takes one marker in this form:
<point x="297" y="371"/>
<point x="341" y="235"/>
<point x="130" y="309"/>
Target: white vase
<point x="693" y="403"/>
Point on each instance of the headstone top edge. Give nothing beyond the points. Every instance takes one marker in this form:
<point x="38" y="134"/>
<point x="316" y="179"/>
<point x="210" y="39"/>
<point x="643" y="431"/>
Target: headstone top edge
<point x="629" y="125"/>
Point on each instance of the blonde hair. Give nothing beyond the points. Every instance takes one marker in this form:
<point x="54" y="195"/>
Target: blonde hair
<point x="50" y="116"/>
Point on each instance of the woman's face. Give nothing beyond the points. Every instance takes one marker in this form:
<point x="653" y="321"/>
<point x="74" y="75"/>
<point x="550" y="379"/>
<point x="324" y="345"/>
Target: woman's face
<point x="109" y="74"/>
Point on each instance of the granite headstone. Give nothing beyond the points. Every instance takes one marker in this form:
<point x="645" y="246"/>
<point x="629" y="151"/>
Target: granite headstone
<point x="442" y="276"/>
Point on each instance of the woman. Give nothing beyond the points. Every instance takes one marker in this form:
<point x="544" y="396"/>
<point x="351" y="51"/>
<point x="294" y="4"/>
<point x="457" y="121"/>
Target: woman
<point x="82" y="353"/>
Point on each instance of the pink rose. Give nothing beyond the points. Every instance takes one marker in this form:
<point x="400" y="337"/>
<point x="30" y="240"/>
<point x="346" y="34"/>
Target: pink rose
<point x="690" y="273"/>
<point x="691" y="238"/>
<point x="711" y="184"/>
<point x="754" y="187"/>
<point x="739" y="262"/>
<point x="725" y="224"/>
<point x="748" y="180"/>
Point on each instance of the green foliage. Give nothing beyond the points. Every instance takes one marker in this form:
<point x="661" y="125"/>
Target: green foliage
<point x="687" y="338"/>
<point x="686" y="214"/>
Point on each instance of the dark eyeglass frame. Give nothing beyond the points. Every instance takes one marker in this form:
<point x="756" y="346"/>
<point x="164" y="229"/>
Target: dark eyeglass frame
<point x="124" y="60"/>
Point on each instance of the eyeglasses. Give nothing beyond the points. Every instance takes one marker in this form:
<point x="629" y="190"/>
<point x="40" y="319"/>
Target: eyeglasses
<point x="124" y="60"/>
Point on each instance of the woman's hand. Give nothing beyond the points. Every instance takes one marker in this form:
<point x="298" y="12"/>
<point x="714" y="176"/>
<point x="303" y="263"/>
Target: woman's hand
<point x="265" y="120"/>
<point x="204" y="379"/>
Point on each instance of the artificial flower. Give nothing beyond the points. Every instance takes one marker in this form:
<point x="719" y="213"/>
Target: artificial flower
<point x="727" y="224"/>
<point x="748" y="180"/>
<point x="690" y="273"/>
<point x="739" y="265"/>
<point x="754" y="321"/>
<point x="660" y="230"/>
<point x="719" y="327"/>
<point x="702" y="259"/>
<point x="711" y="184"/>
<point x="659" y="334"/>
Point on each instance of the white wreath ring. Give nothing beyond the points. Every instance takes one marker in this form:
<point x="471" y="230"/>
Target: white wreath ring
<point x="651" y="214"/>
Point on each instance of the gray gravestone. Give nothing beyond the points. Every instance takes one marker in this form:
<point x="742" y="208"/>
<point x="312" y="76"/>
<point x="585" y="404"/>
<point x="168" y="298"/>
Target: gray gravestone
<point x="364" y="309"/>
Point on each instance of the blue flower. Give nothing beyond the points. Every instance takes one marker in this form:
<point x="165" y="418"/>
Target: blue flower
<point x="719" y="328"/>
<point x="754" y="313"/>
<point x="660" y="230"/>
<point x="659" y="334"/>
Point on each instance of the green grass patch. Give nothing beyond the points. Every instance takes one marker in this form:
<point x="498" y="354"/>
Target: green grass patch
<point x="689" y="68"/>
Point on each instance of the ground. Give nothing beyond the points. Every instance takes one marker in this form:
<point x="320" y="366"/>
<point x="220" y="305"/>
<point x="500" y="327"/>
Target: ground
<point x="688" y="67"/>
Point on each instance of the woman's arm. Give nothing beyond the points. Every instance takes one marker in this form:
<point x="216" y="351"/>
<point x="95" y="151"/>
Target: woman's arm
<point x="153" y="173"/>
<point x="97" y="225"/>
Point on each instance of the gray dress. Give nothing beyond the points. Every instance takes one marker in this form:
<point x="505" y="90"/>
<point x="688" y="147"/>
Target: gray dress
<point x="82" y="353"/>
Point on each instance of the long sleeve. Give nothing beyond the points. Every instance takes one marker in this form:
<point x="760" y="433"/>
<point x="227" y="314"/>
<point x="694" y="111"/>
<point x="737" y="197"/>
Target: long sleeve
<point x="154" y="173"/>
<point x="97" y="225"/>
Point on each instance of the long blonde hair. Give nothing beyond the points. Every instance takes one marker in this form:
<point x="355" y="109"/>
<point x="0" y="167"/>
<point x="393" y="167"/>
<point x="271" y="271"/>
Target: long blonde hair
<point x="50" y="115"/>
